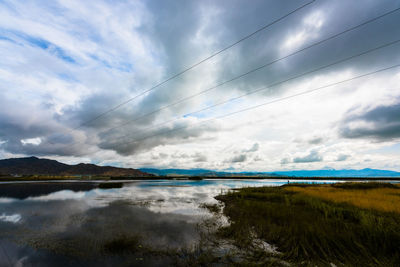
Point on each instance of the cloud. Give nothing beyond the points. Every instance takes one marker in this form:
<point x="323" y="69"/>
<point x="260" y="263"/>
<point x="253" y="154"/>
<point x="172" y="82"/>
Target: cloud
<point x="199" y="157"/>
<point x="160" y="156"/>
<point x="342" y="157"/>
<point x="15" y="218"/>
<point x="238" y="158"/>
<point x="179" y="133"/>
<point x="254" y="148"/>
<point x="379" y="123"/>
<point x="34" y="141"/>
<point x="316" y="141"/>
<point x="313" y="156"/>
<point x="285" y="161"/>
<point x="257" y="158"/>
<point x="309" y="30"/>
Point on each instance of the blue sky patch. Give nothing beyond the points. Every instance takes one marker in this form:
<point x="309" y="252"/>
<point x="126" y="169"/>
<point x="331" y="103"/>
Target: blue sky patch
<point x="36" y="42"/>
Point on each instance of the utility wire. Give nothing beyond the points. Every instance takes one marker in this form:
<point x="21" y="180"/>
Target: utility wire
<point x="274" y="84"/>
<point x="252" y="70"/>
<point x="296" y="77"/>
<point x="192" y="66"/>
<point x="266" y="103"/>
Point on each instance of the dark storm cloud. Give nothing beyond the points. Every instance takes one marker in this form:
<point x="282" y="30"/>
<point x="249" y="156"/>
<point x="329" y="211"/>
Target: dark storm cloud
<point x="45" y="149"/>
<point x="184" y="133"/>
<point x="14" y="131"/>
<point x="266" y="46"/>
<point x="313" y="156"/>
<point x="17" y="125"/>
<point x="90" y="107"/>
<point x="379" y="123"/>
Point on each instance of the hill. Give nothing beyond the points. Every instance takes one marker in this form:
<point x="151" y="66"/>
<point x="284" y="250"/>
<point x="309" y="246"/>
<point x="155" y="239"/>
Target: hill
<point x="36" y="166"/>
<point x="365" y="173"/>
<point x="341" y="173"/>
<point x="204" y="172"/>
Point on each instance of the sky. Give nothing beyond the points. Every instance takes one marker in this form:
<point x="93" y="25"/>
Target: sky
<point x="65" y="62"/>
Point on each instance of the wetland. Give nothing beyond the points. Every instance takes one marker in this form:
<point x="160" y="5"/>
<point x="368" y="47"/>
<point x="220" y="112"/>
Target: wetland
<point x="207" y="222"/>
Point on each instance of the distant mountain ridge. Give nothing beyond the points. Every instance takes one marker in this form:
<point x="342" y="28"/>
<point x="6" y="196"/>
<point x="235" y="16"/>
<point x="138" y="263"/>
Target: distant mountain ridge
<point x="367" y="172"/>
<point x="37" y="166"/>
<point x="297" y="173"/>
<point x="203" y="172"/>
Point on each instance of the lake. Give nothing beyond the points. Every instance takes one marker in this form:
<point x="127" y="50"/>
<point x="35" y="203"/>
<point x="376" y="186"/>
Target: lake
<point x="144" y="223"/>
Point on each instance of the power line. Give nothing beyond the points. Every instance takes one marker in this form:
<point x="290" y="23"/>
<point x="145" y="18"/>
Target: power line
<point x="193" y="66"/>
<point x="266" y="103"/>
<point x="252" y="70"/>
<point x="275" y="84"/>
<point x="297" y="76"/>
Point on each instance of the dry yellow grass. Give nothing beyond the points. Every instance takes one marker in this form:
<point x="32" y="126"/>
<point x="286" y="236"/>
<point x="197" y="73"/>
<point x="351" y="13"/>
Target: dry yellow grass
<point x="380" y="199"/>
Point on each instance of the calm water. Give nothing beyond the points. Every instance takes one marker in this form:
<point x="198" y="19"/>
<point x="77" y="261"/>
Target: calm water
<point x="78" y="224"/>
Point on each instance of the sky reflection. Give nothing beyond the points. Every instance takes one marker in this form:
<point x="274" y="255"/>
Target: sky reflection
<point x="162" y="214"/>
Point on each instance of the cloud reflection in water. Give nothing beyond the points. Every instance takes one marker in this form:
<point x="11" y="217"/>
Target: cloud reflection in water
<point x="142" y="214"/>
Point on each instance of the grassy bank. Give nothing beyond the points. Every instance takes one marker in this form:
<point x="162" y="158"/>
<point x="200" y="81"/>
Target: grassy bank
<point x="352" y="224"/>
<point x="376" y="196"/>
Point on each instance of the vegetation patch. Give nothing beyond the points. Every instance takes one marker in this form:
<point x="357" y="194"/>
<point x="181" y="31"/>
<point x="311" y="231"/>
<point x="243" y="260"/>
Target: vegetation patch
<point x="110" y="185"/>
<point x="123" y="244"/>
<point x="383" y="197"/>
<point x="213" y="208"/>
<point x="196" y="178"/>
<point x="310" y="225"/>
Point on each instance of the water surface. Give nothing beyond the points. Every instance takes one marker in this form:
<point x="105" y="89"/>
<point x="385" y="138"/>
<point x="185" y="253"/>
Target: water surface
<point x="79" y="224"/>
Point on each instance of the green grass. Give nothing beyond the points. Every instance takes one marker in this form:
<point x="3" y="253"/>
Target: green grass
<point x="311" y="231"/>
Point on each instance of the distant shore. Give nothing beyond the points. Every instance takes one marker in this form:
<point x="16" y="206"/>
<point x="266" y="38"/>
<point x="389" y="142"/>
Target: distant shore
<point x="113" y="178"/>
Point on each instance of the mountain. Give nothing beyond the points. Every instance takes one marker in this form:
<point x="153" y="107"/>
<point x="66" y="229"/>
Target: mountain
<point x="204" y="172"/>
<point x="297" y="173"/>
<point x="341" y="173"/>
<point x="36" y="166"/>
<point x="175" y="172"/>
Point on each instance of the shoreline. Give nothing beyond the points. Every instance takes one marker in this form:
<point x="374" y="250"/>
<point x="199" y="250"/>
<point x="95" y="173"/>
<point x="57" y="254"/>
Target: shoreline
<point x="190" y="178"/>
